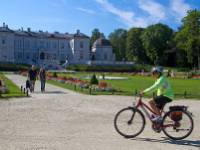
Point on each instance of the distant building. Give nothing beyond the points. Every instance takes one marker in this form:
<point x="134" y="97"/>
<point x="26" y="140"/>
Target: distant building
<point x="53" y="49"/>
<point x="42" y="48"/>
<point x="102" y="50"/>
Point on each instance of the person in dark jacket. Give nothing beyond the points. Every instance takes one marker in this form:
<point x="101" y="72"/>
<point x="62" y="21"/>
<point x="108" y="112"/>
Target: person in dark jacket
<point x="42" y="75"/>
<point x="32" y="75"/>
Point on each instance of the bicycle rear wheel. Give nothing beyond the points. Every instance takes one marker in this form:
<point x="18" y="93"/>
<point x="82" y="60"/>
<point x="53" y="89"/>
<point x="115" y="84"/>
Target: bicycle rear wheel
<point x="129" y="122"/>
<point x="179" y="129"/>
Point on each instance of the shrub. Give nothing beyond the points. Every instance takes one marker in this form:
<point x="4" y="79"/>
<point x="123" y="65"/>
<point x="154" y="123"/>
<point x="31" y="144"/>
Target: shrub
<point x="94" y="80"/>
<point x="55" y="75"/>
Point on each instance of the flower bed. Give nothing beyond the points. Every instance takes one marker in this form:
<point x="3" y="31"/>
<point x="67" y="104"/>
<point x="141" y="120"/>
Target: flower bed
<point x="102" y="86"/>
<point x="196" y="76"/>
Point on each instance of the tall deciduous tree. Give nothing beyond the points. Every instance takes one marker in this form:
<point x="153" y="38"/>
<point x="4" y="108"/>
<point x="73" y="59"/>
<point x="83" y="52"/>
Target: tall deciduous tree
<point x="188" y="37"/>
<point x="134" y="47"/>
<point x="155" y="39"/>
<point x="118" y="41"/>
<point x="95" y="35"/>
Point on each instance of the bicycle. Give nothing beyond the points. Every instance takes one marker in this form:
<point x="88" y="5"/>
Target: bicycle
<point x="177" y="123"/>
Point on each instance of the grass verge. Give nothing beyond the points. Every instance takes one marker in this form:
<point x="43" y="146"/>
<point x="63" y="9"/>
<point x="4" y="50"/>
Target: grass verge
<point x="14" y="90"/>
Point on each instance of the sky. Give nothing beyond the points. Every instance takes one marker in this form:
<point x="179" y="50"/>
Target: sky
<point x="106" y="15"/>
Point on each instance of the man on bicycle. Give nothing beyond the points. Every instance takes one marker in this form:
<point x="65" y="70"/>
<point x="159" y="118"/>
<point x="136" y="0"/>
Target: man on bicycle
<point x="164" y="92"/>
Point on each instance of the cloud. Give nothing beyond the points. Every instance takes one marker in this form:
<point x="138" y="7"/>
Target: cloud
<point x="86" y="10"/>
<point x="151" y="12"/>
<point x="179" y="8"/>
<point x="155" y="10"/>
<point x="128" y="17"/>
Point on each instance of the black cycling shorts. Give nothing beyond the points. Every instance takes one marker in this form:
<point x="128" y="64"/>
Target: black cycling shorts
<point x="161" y="101"/>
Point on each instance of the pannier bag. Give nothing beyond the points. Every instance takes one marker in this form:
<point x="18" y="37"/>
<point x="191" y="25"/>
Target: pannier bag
<point x="176" y="114"/>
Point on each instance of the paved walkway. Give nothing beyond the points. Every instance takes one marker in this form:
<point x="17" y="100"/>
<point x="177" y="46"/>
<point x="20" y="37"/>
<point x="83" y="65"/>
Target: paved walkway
<point x="64" y="120"/>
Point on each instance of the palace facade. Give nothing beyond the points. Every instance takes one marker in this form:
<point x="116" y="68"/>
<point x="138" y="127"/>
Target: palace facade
<point x="51" y="49"/>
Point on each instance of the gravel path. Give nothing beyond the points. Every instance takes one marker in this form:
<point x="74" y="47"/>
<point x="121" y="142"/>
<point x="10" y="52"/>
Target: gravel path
<point x="64" y="120"/>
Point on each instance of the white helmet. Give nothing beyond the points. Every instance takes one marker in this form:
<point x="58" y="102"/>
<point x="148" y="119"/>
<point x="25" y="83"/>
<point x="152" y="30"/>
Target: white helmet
<point x="157" y="69"/>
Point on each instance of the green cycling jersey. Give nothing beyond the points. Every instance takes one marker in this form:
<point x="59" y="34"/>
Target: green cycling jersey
<point x="162" y="86"/>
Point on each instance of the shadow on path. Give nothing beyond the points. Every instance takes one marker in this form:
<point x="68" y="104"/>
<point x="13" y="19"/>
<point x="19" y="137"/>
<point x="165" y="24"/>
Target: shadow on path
<point x="193" y="143"/>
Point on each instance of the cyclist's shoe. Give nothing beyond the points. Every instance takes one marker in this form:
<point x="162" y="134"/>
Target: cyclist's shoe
<point x="157" y="119"/>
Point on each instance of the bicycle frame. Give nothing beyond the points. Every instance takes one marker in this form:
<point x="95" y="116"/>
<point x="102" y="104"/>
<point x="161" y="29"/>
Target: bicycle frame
<point x="145" y="108"/>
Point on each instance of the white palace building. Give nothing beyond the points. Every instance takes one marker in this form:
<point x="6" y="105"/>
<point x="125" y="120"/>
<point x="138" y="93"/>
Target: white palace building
<point x="52" y="49"/>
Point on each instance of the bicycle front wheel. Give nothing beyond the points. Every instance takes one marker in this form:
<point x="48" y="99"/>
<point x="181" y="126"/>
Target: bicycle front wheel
<point x="129" y="122"/>
<point x="177" y="129"/>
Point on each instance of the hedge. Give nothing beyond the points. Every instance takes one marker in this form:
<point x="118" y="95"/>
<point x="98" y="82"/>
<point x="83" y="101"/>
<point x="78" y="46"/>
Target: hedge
<point x="131" y="68"/>
<point x="13" y="67"/>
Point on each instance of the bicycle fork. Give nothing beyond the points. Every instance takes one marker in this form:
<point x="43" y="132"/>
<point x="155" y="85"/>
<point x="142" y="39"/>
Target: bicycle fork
<point x="131" y="120"/>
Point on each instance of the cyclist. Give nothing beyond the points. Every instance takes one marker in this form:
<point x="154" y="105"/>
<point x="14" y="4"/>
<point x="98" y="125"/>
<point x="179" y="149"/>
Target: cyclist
<point x="164" y="92"/>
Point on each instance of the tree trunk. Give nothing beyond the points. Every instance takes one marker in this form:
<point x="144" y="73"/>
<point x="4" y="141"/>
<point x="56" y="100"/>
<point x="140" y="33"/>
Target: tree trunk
<point x="198" y="59"/>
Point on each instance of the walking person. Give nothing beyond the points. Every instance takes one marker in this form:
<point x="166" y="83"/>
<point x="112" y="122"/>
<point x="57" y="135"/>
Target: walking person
<point x="42" y="75"/>
<point x="32" y="75"/>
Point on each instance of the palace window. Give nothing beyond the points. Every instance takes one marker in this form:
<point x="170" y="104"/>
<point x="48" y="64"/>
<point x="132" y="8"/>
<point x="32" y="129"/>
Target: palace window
<point x="62" y="46"/>
<point x="20" y="44"/>
<point x="19" y="55"/>
<point x="69" y="45"/>
<point x="81" y="56"/>
<point x="54" y="45"/>
<point x="41" y="44"/>
<point x="27" y="44"/>
<point x="42" y="56"/>
<point x="48" y="44"/>
<point x="3" y="41"/>
<point x="105" y="57"/>
<point x="81" y="44"/>
<point x="27" y="56"/>
<point x="62" y="56"/>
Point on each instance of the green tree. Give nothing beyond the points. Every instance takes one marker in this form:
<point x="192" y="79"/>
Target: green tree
<point x="188" y="37"/>
<point x="95" y="35"/>
<point x="118" y="41"/>
<point x="94" y="80"/>
<point x="134" y="47"/>
<point x="155" y="40"/>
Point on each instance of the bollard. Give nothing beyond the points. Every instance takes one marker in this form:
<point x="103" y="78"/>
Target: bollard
<point x="27" y="94"/>
<point x="136" y="92"/>
<point x="24" y="90"/>
<point x="21" y="88"/>
<point x="90" y="90"/>
<point x="185" y="94"/>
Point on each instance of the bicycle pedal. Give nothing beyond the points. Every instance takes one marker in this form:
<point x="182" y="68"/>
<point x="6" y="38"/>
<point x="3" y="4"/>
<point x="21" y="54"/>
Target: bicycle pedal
<point x="156" y="128"/>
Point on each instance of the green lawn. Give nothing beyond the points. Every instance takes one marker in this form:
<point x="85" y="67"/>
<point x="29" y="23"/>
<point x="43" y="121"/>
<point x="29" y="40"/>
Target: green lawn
<point x="180" y="86"/>
<point x="14" y="90"/>
<point x="138" y="83"/>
